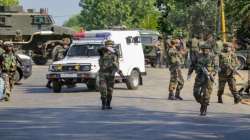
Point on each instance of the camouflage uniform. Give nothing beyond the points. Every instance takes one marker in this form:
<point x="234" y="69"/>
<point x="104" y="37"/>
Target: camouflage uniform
<point x="8" y="67"/>
<point x="203" y="85"/>
<point x="176" y="80"/>
<point x="218" y="47"/>
<point x="108" y="67"/>
<point x="228" y="64"/>
<point x="194" y="48"/>
<point x="59" y="53"/>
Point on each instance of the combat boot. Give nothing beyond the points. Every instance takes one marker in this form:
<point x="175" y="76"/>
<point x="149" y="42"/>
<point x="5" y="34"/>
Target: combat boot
<point x="220" y="99"/>
<point x="108" y="105"/>
<point x="237" y="98"/>
<point x="203" y="109"/>
<point x="177" y="96"/>
<point x="171" y="96"/>
<point x="104" y="101"/>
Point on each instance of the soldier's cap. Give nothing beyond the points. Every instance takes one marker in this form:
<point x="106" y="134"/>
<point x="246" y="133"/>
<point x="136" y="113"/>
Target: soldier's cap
<point x="8" y="43"/>
<point x="205" y="46"/>
<point x="109" y="42"/>
<point x="227" y="44"/>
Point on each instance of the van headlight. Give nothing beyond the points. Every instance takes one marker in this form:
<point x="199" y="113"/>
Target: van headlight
<point x="57" y="67"/>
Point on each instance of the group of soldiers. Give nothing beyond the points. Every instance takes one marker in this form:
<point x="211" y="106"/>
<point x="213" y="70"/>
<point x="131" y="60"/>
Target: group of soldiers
<point x="208" y="58"/>
<point x="8" y="67"/>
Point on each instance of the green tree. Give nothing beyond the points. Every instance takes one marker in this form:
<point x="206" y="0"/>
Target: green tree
<point x="100" y="14"/>
<point x="238" y="12"/>
<point x="9" y="2"/>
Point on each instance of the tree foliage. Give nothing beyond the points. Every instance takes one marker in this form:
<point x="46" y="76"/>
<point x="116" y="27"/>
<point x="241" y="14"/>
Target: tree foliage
<point x="9" y="2"/>
<point x="100" y="14"/>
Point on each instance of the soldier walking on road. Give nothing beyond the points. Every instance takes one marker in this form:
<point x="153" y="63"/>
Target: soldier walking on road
<point x="8" y="66"/>
<point x="176" y="80"/>
<point x="228" y="66"/>
<point x="205" y="66"/>
<point x="108" y="63"/>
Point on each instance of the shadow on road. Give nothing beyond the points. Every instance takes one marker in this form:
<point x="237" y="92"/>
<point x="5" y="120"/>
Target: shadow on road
<point x="121" y="123"/>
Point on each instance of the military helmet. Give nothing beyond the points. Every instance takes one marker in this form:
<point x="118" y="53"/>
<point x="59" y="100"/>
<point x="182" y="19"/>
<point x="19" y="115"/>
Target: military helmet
<point x="227" y="44"/>
<point x="205" y="46"/>
<point x="7" y="44"/>
<point x="109" y="42"/>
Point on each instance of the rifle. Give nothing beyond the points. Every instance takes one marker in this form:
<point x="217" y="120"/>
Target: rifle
<point x="206" y="73"/>
<point x="234" y="71"/>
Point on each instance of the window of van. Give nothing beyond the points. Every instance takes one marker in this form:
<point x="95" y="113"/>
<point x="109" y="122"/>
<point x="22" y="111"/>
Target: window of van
<point x="84" y="50"/>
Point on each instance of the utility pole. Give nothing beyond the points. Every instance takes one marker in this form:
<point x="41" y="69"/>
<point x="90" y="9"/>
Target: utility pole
<point x="223" y="21"/>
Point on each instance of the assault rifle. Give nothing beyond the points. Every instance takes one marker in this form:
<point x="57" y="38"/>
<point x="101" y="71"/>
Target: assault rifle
<point x="206" y="73"/>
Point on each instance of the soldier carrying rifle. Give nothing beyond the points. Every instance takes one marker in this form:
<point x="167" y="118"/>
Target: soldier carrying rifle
<point x="228" y="68"/>
<point x="205" y="66"/>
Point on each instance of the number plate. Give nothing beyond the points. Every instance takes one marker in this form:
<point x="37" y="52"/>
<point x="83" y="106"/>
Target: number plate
<point x="68" y="75"/>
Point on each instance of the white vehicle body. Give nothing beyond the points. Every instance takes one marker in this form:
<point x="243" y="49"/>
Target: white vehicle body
<point x="129" y="50"/>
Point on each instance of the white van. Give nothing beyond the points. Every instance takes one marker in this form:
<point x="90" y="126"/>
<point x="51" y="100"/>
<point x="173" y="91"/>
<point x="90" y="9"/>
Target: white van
<point x="81" y="62"/>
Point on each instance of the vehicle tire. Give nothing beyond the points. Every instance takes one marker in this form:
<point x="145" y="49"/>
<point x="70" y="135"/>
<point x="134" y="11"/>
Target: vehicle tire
<point x="153" y="64"/>
<point x="242" y="63"/>
<point x="57" y="86"/>
<point x="93" y="84"/>
<point x="17" y="76"/>
<point x="133" y="80"/>
<point x="39" y="60"/>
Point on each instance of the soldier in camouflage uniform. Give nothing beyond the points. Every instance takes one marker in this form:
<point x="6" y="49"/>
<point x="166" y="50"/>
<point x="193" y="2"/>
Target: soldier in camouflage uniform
<point x="228" y="65"/>
<point x="205" y="66"/>
<point x="176" y="80"/>
<point x="194" y="47"/>
<point x="60" y="51"/>
<point x="108" y="63"/>
<point x="8" y="67"/>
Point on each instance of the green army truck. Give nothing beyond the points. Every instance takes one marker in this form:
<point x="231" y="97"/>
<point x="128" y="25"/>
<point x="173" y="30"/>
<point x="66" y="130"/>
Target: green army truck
<point x="149" y="39"/>
<point x="19" y="26"/>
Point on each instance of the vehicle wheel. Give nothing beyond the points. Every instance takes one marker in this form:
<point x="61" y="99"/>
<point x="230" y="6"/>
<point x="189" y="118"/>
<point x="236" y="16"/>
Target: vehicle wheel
<point x="242" y="63"/>
<point x="133" y="80"/>
<point x="153" y="64"/>
<point x="17" y="76"/>
<point x="57" y="86"/>
<point x="39" y="60"/>
<point x="93" y="85"/>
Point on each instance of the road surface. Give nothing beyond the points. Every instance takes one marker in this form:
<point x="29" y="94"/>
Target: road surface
<point x="36" y="113"/>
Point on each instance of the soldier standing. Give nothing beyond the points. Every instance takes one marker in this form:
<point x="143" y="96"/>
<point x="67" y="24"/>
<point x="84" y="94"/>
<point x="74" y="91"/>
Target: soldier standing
<point x="108" y="63"/>
<point x="194" y="48"/>
<point x="8" y="67"/>
<point x="205" y="66"/>
<point x="228" y="65"/>
<point x="218" y="46"/>
<point x="176" y="80"/>
<point x="59" y="52"/>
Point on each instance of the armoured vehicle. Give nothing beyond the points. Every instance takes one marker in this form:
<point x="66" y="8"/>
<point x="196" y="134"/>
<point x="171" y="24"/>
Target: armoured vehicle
<point x="149" y="39"/>
<point x="18" y="26"/>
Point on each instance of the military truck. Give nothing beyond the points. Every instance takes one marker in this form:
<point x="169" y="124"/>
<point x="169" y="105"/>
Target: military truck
<point x="149" y="39"/>
<point x="18" y="25"/>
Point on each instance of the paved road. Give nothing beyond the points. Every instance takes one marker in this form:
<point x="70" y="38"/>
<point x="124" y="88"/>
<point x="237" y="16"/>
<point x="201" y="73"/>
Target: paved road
<point x="35" y="113"/>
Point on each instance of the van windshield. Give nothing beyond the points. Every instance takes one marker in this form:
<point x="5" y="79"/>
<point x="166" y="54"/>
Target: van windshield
<point x="84" y="50"/>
